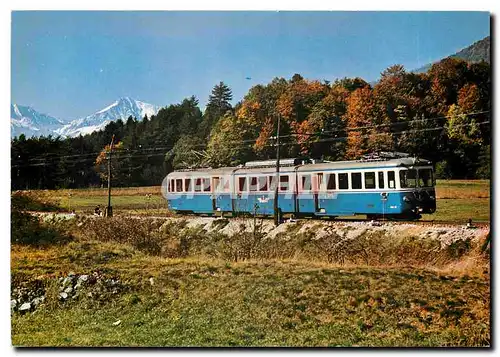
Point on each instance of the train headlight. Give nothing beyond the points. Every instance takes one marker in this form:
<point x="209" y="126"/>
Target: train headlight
<point x="406" y="199"/>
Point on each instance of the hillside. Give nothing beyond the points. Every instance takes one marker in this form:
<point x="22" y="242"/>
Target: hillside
<point x="477" y="52"/>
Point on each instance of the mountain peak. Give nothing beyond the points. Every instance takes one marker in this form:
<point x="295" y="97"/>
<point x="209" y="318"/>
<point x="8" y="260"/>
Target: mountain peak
<point x="123" y="108"/>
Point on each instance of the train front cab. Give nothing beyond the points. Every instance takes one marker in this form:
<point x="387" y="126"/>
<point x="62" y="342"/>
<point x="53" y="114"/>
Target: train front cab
<point x="344" y="192"/>
<point x="417" y="185"/>
<point x="373" y="191"/>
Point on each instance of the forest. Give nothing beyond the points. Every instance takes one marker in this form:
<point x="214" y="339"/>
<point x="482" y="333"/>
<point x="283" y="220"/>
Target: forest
<point x="442" y="115"/>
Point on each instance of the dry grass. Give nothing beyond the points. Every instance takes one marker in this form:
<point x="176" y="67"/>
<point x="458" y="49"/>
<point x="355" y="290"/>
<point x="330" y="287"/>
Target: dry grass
<point x="462" y="189"/>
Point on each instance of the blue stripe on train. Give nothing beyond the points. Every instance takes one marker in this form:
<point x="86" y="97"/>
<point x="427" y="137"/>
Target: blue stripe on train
<point x="334" y="204"/>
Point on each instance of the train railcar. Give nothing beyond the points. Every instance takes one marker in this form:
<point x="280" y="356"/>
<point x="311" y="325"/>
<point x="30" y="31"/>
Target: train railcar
<point x="400" y="187"/>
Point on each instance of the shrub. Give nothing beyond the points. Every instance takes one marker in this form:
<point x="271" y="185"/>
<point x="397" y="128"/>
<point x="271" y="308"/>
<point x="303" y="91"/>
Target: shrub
<point x="30" y="201"/>
<point x="27" y="229"/>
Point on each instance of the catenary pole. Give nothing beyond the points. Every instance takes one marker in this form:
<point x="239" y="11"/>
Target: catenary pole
<point x="109" y="209"/>
<point x="277" y="179"/>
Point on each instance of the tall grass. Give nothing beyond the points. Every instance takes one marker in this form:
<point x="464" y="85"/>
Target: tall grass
<point x="174" y="239"/>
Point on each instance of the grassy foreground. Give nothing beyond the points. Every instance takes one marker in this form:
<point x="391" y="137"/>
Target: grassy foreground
<point x="175" y="287"/>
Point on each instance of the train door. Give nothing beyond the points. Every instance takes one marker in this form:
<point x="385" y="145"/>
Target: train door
<point x="221" y="200"/>
<point x="305" y="193"/>
<point x="316" y="186"/>
<point x="216" y="193"/>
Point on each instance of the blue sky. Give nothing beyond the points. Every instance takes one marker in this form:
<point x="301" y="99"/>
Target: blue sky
<point x="71" y="64"/>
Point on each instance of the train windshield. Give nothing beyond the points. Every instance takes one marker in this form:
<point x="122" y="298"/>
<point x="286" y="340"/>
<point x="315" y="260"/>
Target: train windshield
<point x="408" y="178"/>
<point x="425" y="178"/>
<point x="412" y="179"/>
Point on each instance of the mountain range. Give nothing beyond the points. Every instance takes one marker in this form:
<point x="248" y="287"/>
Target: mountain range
<point x="27" y="121"/>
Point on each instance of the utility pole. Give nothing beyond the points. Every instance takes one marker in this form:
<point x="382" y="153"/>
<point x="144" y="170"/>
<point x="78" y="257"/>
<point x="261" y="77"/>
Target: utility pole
<point x="109" y="209"/>
<point x="277" y="218"/>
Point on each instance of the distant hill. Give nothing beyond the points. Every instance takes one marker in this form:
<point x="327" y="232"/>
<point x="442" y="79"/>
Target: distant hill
<point x="477" y="52"/>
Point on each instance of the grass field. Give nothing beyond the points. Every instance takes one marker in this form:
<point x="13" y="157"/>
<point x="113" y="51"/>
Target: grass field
<point x="457" y="200"/>
<point x="195" y="301"/>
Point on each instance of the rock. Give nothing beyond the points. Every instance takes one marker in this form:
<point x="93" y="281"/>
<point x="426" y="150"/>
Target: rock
<point x="13" y="304"/>
<point x="38" y="300"/>
<point x="25" y="307"/>
<point x="116" y="323"/>
<point x="83" y="278"/>
<point x="151" y="281"/>
<point x="63" y="295"/>
<point x="68" y="290"/>
<point x="67" y="281"/>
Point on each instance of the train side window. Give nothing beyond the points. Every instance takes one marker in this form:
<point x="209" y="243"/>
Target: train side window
<point x="343" y="181"/>
<point x="306" y="182"/>
<point x="331" y="182"/>
<point x="226" y="184"/>
<point x="262" y="183"/>
<point x="206" y="184"/>
<point x="380" y="180"/>
<point x="284" y="183"/>
<point x="242" y="184"/>
<point x="197" y="185"/>
<point x="369" y="180"/>
<point x="169" y="188"/>
<point x="187" y="185"/>
<point x="356" y="180"/>
<point x="253" y="184"/>
<point x="178" y="185"/>
<point x="391" y="177"/>
<point x="217" y="183"/>
<point x="272" y="183"/>
<point x="320" y="182"/>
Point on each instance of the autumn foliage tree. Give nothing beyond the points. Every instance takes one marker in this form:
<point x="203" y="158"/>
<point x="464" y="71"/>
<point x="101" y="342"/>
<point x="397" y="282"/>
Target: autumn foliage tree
<point x="117" y="161"/>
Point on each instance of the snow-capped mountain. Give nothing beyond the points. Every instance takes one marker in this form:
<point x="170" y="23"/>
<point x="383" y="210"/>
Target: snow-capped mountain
<point x="121" y="109"/>
<point x="27" y="121"/>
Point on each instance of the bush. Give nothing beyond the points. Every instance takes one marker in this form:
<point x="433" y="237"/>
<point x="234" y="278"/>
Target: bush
<point x="27" y="229"/>
<point x="30" y="201"/>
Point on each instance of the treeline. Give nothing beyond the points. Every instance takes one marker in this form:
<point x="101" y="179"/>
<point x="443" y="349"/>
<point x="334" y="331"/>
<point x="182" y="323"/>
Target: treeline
<point x="442" y="115"/>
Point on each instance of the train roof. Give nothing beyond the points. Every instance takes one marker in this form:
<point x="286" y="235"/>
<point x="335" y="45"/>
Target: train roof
<point x="199" y="172"/>
<point x="336" y="165"/>
<point x="407" y="161"/>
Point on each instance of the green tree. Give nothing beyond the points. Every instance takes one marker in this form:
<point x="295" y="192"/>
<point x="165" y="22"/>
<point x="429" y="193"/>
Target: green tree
<point x="218" y="104"/>
<point x="228" y="144"/>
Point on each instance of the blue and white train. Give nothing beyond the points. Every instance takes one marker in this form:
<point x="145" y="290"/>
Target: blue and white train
<point x="401" y="187"/>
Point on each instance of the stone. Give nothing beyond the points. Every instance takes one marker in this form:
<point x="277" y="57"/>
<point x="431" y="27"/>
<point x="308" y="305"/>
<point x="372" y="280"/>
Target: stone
<point x="25" y="307"/>
<point x="68" y="290"/>
<point x="13" y="303"/>
<point x="83" y="278"/>
<point x="116" y="323"/>
<point x="38" y="300"/>
<point x="63" y="295"/>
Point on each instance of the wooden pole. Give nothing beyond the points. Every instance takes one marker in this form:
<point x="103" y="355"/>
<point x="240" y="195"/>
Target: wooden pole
<point x="109" y="210"/>
<point x="277" y="219"/>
